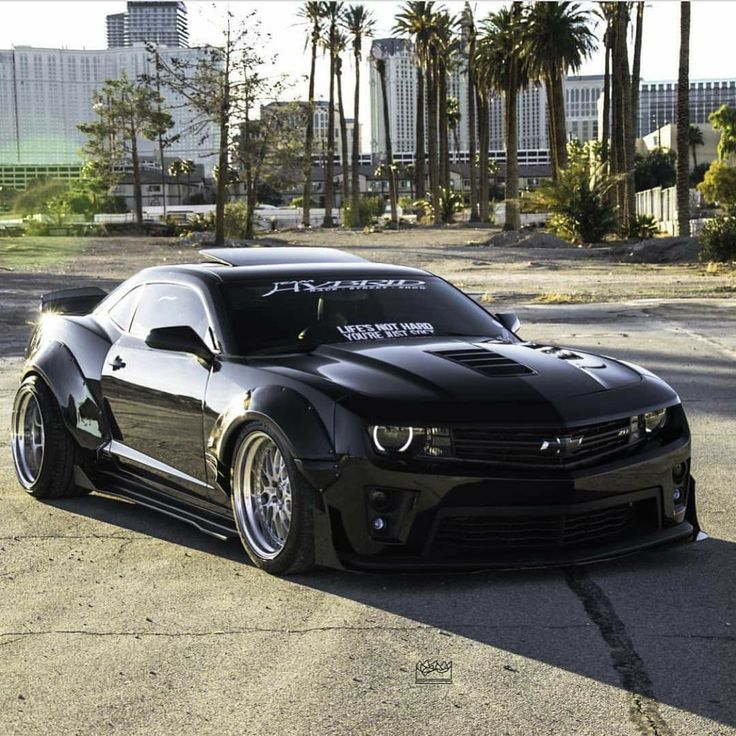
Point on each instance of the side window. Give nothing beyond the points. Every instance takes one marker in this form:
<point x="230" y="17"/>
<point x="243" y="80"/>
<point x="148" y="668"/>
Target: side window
<point x="170" y="305"/>
<point x="122" y="313"/>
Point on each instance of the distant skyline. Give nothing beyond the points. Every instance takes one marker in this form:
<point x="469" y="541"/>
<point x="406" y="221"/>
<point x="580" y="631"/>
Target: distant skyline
<point x="75" y="24"/>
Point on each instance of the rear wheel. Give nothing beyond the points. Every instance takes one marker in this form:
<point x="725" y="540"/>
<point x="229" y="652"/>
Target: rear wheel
<point x="272" y="503"/>
<point x="43" y="451"/>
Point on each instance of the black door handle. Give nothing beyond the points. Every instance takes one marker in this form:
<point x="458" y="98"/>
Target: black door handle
<point x="117" y="363"/>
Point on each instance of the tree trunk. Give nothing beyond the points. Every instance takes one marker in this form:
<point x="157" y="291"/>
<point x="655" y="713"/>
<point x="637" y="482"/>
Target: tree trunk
<point x="695" y="158"/>
<point x="343" y="136"/>
<point x="251" y="202"/>
<point x="683" y="123"/>
<point x="560" y="123"/>
<point x="551" y="127"/>
<point x="355" y="163"/>
<point x="419" y="171"/>
<point x="512" y="220"/>
<point x="444" y="142"/>
<point x="307" y="190"/>
<point x="330" y="163"/>
<point x="629" y="147"/>
<point x="137" y="195"/>
<point x="606" y="126"/>
<point x="221" y="191"/>
<point x="389" y="151"/>
<point x="482" y="104"/>
<point x="636" y="69"/>
<point x="471" y="137"/>
<point x="434" y="174"/>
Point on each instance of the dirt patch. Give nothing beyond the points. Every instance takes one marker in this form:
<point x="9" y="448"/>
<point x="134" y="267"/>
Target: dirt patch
<point x="661" y="250"/>
<point x="527" y="239"/>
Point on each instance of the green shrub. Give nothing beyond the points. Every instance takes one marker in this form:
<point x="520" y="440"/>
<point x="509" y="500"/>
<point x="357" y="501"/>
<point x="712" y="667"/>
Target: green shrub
<point x="236" y="216"/>
<point x="642" y="227"/>
<point x="371" y="208"/>
<point x="299" y="201"/>
<point x="581" y="210"/>
<point x="718" y="239"/>
<point x="450" y="203"/>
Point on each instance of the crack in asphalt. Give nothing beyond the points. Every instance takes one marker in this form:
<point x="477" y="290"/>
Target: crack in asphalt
<point x="643" y="706"/>
<point x="273" y="630"/>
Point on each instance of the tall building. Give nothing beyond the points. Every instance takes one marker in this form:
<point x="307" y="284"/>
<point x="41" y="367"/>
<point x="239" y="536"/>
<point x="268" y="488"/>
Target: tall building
<point x="320" y="118"/>
<point x="46" y="93"/>
<point x="658" y="102"/>
<point x="163" y="23"/>
<point x="581" y="95"/>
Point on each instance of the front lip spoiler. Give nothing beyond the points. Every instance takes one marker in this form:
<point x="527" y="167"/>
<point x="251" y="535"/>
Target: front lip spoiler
<point x="546" y="559"/>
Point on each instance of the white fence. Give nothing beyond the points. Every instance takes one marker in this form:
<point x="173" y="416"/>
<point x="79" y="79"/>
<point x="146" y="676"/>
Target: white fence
<point x="661" y="204"/>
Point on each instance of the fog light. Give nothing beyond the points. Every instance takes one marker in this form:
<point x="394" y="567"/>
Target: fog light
<point x="378" y="523"/>
<point x="677" y="495"/>
<point x="379" y="500"/>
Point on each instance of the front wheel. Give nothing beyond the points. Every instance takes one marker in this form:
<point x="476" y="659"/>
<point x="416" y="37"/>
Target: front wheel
<point x="272" y="503"/>
<point x="43" y="451"/>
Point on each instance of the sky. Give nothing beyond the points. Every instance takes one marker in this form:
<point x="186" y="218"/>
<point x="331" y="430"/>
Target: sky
<point x="81" y="24"/>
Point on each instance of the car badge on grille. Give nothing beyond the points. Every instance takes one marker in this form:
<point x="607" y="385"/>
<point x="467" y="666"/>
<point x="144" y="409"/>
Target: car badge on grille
<point x="562" y="445"/>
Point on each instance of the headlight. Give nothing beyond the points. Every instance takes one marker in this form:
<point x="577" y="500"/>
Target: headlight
<point x="392" y="439"/>
<point x="654" y="420"/>
<point x="422" y="441"/>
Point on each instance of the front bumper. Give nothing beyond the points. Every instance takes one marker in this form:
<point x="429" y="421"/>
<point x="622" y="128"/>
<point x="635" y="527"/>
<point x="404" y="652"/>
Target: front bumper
<point x="464" y="516"/>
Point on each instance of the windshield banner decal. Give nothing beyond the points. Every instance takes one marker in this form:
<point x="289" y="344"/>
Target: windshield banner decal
<point x="309" y="286"/>
<point x="384" y="330"/>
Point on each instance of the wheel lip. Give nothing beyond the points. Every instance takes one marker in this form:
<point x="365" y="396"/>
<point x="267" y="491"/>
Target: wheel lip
<point x="23" y="401"/>
<point x="243" y="510"/>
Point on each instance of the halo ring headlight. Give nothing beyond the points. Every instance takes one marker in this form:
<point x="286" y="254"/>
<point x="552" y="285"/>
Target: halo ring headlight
<point x="654" y="420"/>
<point x="380" y="446"/>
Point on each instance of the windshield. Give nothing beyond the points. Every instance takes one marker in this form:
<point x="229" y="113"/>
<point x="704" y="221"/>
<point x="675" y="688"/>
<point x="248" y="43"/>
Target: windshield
<point x="279" y="316"/>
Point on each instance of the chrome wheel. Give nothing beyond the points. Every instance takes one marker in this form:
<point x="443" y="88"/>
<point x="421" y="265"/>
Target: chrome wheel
<point x="27" y="438"/>
<point x="262" y="495"/>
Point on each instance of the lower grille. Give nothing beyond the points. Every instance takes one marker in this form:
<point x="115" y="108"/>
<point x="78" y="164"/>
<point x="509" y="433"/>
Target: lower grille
<point x="480" y="533"/>
<point x="562" y="447"/>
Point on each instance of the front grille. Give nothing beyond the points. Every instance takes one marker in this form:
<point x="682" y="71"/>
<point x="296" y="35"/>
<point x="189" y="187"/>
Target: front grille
<point x="485" y="361"/>
<point x="479" y="533"/>
<point x="564" y="447"/>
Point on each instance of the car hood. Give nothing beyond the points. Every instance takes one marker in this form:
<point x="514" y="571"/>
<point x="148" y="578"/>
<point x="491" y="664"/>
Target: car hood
<point x="463" y="379"/>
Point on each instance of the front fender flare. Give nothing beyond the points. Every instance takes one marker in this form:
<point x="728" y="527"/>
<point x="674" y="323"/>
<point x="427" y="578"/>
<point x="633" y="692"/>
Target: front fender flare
<point x="298" y="421"/>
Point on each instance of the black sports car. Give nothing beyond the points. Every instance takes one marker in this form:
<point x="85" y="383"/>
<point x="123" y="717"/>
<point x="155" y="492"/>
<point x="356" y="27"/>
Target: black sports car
<point x="328" y="410"/>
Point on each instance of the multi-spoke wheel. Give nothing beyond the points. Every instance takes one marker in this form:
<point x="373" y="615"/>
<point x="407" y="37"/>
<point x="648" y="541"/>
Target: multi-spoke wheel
<point x="271" y="503"/>
<point x="43" y="452"/>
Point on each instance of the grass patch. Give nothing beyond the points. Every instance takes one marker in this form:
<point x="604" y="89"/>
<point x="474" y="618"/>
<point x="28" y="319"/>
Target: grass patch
<point x="36" y="253"/>
<point x="558" y="297"/>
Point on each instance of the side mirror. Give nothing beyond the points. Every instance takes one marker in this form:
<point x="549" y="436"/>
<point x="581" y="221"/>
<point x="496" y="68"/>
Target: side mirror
<point x="180" y="339"/>
<point x="509" y="320"/>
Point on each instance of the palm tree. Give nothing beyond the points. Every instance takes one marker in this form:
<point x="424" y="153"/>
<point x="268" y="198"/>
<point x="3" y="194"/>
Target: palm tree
<point x="501" y="68"/>
<point x="341" y="43"/>
<point x="445" y="49"/>
<point x="381" y="69"/>
<point x="312" y="14"/>
<point x="359" y="23"/>
<point x="557" y="37"/>
<point x="176" y="169"/>
<point x="683" y="123"/>
<point x="694" y="139"/>
<point x="606" y="12"/>
<point x="468" y="28"/>
<point x="453" y="122"/>
<point x="331" y="12"/>
<point x="186" y="167"/>
<point x="416" y="22"/>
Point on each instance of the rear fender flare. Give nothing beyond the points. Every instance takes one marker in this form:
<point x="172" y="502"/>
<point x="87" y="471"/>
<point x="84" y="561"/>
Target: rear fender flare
<point x="80" y="411"/>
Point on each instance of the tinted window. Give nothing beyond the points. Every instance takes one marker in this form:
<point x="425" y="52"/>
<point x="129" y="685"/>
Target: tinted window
<point x="122" y="313"/>
<point x="169" y="305"/>
<point x="270" y="315"/>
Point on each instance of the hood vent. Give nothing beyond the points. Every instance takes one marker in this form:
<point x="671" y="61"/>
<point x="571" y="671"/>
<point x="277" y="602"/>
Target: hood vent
<point x="486" y="362"/>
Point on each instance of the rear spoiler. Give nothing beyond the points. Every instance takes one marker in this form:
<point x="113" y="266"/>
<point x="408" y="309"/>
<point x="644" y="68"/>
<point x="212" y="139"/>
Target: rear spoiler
<point x="72" y="301"/>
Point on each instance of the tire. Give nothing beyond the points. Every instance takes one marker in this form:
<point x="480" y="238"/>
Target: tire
<point x="43" y="451"/>
<point x="273" y="544"/>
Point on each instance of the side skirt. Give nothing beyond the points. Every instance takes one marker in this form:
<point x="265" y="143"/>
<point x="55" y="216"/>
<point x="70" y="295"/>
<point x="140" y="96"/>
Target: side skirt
<point x="210" y="522"/>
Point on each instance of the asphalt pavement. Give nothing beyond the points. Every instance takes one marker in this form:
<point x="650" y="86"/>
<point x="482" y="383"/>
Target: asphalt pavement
<point x="114" y="619"/>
